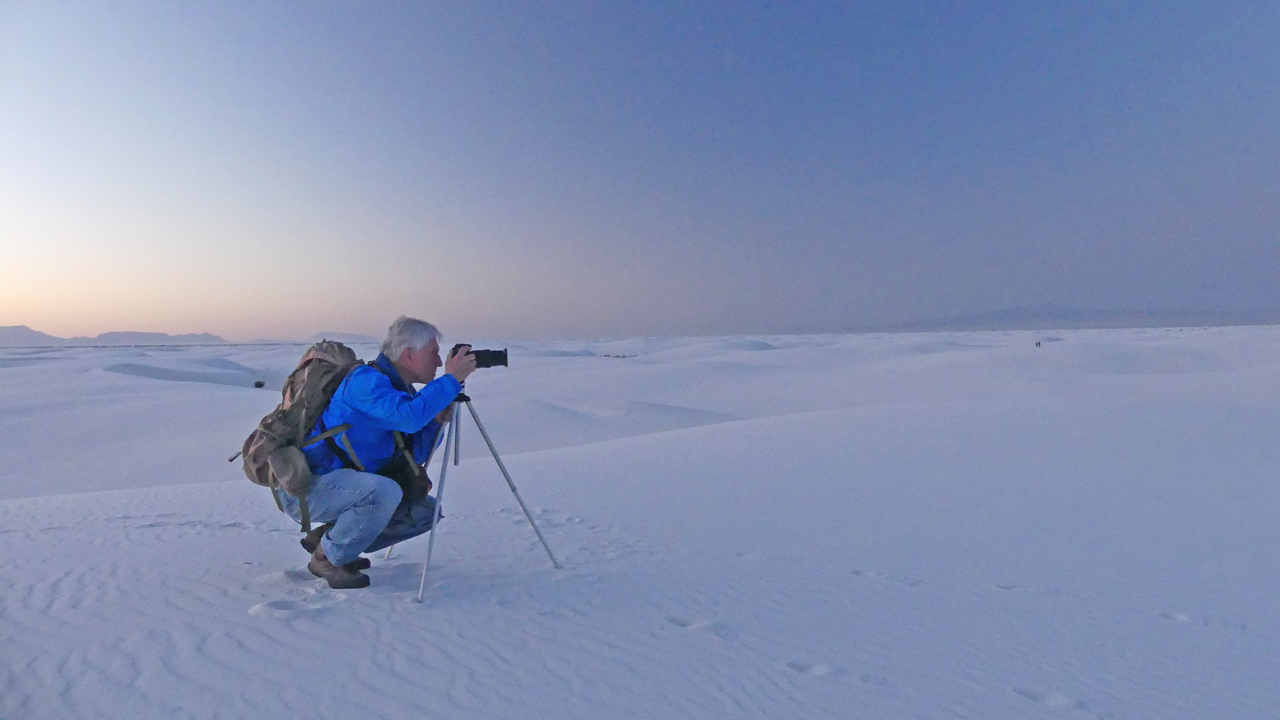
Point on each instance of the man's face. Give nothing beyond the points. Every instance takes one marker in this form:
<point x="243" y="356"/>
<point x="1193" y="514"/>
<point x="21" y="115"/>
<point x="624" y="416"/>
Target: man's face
<point x="422" y="363"/>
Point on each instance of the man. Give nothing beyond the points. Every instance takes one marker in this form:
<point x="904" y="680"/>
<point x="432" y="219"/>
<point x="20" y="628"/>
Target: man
<point x="362" y="510"/>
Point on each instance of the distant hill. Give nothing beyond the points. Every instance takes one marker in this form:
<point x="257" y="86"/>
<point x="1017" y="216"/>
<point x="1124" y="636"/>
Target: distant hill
<point x="148" y="338"/>
<point x="1053" y="317"/>
<point x="23" y="336"/>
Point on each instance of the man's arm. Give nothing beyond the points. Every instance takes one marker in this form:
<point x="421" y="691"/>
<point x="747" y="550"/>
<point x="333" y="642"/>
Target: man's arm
<point x="371" y="397"/>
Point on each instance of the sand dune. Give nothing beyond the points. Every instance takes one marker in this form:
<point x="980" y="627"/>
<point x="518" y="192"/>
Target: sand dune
<point x="952" y="525"/>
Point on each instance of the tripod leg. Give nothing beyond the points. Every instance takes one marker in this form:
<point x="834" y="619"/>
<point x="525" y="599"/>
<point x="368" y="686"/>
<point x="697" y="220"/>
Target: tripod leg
<point x="457" y="438"/>
<point x="444" y="466"/>
<point x="511" y="485"/>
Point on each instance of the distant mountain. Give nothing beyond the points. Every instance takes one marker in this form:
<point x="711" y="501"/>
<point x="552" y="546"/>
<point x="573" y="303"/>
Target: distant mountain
<point x="149" y="338"/>
<point x="23" y="336"/>
<point x="1054" y="317"/>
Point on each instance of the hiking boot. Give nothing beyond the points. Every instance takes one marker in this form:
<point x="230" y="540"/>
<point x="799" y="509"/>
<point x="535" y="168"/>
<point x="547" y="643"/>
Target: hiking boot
<point x="312" y="541"/>
<point x="338" y="576"/>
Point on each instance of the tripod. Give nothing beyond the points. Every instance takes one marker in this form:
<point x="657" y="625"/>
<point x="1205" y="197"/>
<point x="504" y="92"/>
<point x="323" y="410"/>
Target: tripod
<point x="452" y="430"/>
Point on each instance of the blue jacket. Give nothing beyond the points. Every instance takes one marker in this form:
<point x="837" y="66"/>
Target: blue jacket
<point x="376" y="402"/>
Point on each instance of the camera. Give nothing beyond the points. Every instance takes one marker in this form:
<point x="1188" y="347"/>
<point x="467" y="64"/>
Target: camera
<point x="484" y="358"/>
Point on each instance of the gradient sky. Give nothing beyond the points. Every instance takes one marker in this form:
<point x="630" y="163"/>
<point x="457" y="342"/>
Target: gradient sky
<point x="275" y="169"/>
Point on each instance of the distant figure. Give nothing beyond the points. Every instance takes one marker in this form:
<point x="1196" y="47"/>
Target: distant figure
<point x="1037" y="343"/>
<point x="366" y="491"/>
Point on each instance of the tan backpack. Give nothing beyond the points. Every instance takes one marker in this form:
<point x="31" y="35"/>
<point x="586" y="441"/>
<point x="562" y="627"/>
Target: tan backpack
<point x="273" y="451"/>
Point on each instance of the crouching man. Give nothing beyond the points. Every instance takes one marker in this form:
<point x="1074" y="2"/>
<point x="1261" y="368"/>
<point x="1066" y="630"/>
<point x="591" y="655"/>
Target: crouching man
<point x="367" y="493"/>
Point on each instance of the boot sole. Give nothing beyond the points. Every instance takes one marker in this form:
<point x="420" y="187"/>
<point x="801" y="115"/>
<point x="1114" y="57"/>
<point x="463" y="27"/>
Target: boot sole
<point x="354" y="582"/>
<point x="361" y="581"/>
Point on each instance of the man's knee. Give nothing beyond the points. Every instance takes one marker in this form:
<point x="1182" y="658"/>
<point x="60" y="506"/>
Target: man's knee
<point x="386" y="491"/>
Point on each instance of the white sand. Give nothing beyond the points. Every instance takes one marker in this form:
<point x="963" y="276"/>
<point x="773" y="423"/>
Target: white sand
<point x="881" y="526"/>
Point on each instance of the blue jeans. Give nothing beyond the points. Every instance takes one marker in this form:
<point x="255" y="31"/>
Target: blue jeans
<point x="365" y="510"/>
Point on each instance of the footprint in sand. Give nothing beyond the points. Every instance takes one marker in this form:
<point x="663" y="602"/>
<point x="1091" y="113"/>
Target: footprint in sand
<point x="1053" y="700"/>
<point x="1024" y="590"/>
<point x="1205" y="621"/>
<point x="822" y="670"/>
<point x="293" y="608"/>
<point x="286" y="578"/>
<point x="205" y="524"/>
<point x="718" y="629"/>
<point x="883" y="577"/>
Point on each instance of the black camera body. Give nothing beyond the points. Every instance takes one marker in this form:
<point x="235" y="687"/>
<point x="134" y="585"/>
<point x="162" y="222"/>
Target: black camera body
<point x="484" y="358"/>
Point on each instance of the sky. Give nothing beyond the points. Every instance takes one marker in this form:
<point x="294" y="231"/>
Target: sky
<point x="605" y="169"/>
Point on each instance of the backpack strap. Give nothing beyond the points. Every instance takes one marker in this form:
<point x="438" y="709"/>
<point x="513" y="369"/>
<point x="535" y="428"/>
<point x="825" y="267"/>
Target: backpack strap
<point x="304" y="512"/>
<point x="403" y="447"/>
<point x="327" y="434"/>
<point x="350" y="454"/>
<point x="347" y="457"/>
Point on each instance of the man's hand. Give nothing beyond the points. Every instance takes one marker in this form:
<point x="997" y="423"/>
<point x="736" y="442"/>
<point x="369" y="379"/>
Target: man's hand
<point x="445" y="415"/>
<point x="462" y="364"/>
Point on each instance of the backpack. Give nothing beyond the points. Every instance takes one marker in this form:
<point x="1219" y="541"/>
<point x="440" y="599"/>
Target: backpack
<point x="273" y="451"/>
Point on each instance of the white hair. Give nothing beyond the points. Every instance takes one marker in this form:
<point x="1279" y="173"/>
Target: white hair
<point x="408" y="333"/>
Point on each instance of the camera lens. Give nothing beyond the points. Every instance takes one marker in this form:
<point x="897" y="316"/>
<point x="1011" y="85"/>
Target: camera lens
<point x="484" y="358"/>
<point x="490" y="358"/>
